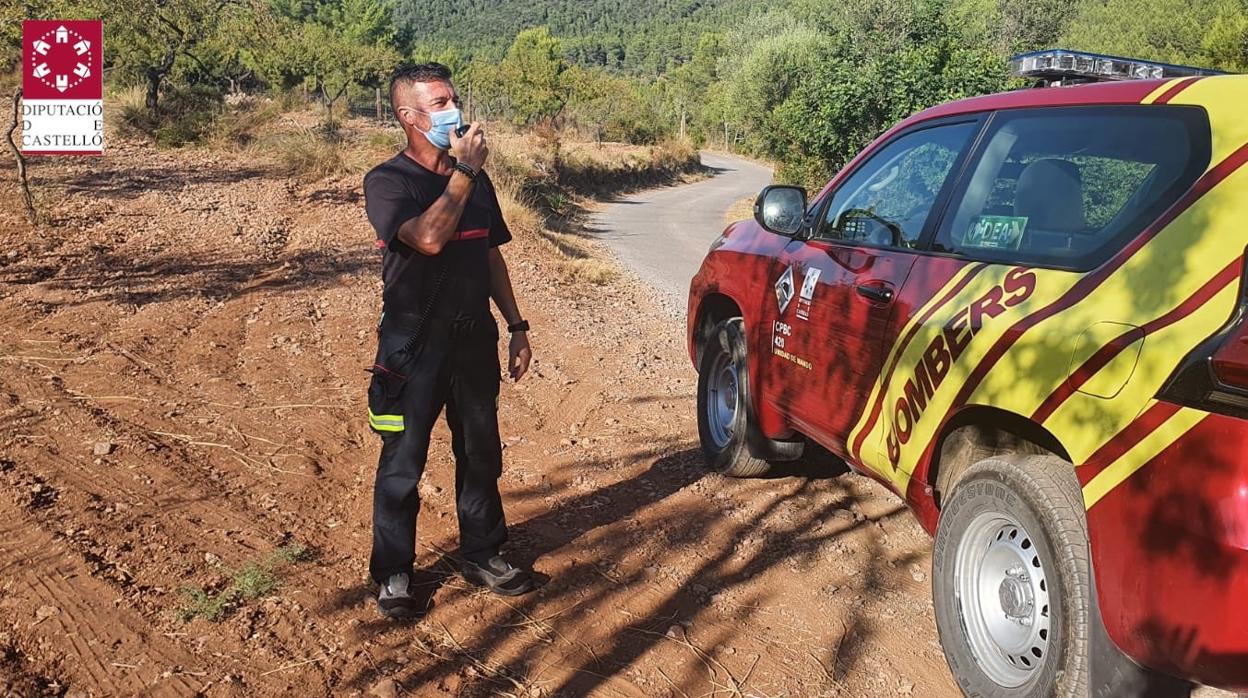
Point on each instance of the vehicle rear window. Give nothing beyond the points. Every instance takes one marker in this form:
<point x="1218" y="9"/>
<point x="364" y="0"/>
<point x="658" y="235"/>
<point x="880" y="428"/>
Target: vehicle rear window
<point x="1067" y="187"/>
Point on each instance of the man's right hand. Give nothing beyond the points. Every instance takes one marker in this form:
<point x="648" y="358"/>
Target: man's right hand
<point x="471" y="149"/>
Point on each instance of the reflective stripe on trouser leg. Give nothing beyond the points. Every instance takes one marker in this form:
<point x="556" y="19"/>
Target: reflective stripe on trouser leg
<point x="385" y="422"/>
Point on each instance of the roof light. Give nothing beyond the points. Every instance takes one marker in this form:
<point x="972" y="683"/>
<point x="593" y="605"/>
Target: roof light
<point x="1062" y="67"/>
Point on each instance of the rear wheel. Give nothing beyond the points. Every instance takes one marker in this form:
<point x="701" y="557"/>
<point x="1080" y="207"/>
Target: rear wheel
<point x="723" y="400"/>
<point x="1011" y="579"/>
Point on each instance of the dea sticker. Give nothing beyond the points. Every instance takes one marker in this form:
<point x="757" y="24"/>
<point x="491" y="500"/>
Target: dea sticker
<point x="784" y="289"/>
<point x="996" y="232"/>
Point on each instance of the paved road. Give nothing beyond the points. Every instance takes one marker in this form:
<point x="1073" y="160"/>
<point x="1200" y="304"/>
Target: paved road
<point x="663" y="234"/>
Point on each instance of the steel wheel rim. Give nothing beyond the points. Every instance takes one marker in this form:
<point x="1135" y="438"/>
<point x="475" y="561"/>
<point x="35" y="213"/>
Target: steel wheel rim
<point x="1003" y="596"/>
<point x="721" y="400"/>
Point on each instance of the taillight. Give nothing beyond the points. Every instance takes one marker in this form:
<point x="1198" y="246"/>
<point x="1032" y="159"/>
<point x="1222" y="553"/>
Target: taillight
<point x="1214" y="376"/>
<point x="1230" y="363"/>
<point x="1230" y="370"/>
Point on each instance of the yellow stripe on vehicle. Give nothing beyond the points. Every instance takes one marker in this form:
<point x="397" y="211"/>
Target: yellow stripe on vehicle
<point x="1050" y="285"/>
<point x="1085" y="423"/>
<point x="1140" y="454"/>
<point x="1223" y="99"/>
<point x="1171" y="268"/>
<point x="1152" y="96"/>
<point x="868" y="447"/>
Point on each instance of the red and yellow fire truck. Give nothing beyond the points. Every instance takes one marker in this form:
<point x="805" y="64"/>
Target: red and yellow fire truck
<point x="1025" y="314"/>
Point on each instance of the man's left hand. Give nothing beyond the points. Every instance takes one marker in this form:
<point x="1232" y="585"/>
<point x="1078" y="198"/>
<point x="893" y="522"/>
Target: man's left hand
<point x="519" y="355"/>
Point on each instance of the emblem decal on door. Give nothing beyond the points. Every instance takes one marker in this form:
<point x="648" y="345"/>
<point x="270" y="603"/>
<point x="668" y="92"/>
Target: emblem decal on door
<point x="804" y="299"/>
<point x="784" y="289"/>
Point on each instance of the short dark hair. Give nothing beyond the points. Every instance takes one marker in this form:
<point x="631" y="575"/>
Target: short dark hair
<point x="411" y="74"/>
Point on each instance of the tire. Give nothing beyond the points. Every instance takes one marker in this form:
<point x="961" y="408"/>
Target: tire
<point x="1011" y="579"/>
<point x="725" y="426"/>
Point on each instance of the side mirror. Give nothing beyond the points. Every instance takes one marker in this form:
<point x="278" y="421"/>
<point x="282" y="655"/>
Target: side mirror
<point x="781" y="209"/>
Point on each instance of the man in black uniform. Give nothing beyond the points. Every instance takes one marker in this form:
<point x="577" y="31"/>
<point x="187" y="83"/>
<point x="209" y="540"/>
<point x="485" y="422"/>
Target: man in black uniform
<point x="439" y="225"/>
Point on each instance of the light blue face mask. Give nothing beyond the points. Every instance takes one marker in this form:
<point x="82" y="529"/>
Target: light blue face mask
<point x="442" y="123"/>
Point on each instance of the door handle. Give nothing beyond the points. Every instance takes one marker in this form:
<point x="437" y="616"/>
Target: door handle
<point x="875" y="293"/>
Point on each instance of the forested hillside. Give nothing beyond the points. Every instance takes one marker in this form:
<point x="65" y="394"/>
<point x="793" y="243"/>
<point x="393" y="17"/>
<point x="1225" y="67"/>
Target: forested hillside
<point x="804" y="82"/>
<point x="645" y="36"/>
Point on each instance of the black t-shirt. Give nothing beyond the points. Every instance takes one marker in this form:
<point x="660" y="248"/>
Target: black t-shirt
<point x="400" y="189"/>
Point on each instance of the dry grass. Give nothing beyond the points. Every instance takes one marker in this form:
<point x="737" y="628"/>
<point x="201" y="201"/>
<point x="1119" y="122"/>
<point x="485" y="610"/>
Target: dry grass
<point x="308" y="154"/>
<point x="543" y="183"/>
<point x="740" y="211"/>
<point x="593" y="171"/>
<point x="192" y="117"/>
<point x="575" y="258"/>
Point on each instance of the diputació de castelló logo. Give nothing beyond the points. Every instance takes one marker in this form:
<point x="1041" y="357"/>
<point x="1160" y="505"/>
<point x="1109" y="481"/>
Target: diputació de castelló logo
<point x="62" y="87"/>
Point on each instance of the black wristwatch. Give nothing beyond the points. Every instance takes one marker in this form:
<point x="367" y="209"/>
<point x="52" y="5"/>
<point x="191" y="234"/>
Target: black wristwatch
<point x="522" y="326"/>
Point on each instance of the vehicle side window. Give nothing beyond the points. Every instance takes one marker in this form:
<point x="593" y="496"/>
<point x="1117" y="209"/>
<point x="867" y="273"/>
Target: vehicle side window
<point x="887" y="200"/>
<point x="1064" y="187"/>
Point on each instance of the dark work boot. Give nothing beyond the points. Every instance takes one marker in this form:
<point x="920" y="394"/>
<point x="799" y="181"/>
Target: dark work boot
<point x="499" y="576"/>
<point x="395" y="599"/>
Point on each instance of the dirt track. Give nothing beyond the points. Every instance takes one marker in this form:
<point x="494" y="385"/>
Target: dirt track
<point x="181" y="394"/>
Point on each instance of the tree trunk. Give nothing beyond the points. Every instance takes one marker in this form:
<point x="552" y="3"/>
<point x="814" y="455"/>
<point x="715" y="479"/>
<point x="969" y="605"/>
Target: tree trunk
<point x="377" y="98"/>
<point x="28" y="200"/>
<point x="153" y="94"/>
<point x="330" y="126"/>
<point x="155" y="75"/>
<point x="329" y="108"/>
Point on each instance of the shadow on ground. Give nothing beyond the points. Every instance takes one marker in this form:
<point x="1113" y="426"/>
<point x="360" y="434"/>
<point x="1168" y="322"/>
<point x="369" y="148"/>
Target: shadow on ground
<point x="608" y="526"/>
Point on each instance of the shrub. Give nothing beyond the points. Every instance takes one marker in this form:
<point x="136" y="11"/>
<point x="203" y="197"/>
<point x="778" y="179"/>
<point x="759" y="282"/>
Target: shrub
<point x="185" y="115"/>
<point x="253" y="581"/>
<point x="198" y="114"/>
<point x="674" y="156"/>
<point x="307" y="155"/>
<point x="237" y="124"/>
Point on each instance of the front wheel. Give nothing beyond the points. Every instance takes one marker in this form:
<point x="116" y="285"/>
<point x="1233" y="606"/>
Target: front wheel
<point x="723" y="400"/>
<point x="1012" y="581"/>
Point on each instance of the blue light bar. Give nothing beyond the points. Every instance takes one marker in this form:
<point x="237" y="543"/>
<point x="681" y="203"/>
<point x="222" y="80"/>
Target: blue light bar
<point x="1060" y="66"/>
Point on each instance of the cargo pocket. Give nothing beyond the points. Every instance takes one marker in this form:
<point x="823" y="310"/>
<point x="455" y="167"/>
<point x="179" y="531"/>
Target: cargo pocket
<point x="385" y="393"/>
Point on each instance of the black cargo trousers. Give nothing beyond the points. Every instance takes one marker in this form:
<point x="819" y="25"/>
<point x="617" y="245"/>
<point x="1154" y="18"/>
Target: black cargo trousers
<point x="456" y="366"/>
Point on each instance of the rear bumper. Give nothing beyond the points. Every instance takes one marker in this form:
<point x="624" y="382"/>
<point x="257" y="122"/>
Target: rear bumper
<point x="1170" y="553"/>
